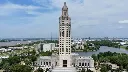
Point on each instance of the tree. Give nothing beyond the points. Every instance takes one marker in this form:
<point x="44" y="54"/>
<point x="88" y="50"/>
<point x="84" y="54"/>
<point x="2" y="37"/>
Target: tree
<point x="127" y="47"/>
<point x="40" y="70"/>
<point x="104" y="69"/>
<point x="83" y="70"/>
<point x="94" y="57"/>
<point x="88" y="70"/>
<point x="47" y="70"/>
<point x="121" y="68"/>
<point x="6" y="67"/>
<point x="20" y="68"/>
<point x="127" y="67"/>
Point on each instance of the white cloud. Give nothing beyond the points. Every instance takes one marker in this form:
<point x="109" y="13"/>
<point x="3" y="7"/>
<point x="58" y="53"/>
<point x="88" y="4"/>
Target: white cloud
<point x="123" y="21"/>
<point x="16" y="6"/>
<point x="90" y="18"/>
<point x="10" y="8"/>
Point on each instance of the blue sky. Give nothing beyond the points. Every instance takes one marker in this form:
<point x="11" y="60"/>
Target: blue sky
<point x="38" y="18"/>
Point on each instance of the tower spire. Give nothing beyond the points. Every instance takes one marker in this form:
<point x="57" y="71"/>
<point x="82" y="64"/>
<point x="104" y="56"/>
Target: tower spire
<point x="64" y="3"/>
<point x="65" y="10"/>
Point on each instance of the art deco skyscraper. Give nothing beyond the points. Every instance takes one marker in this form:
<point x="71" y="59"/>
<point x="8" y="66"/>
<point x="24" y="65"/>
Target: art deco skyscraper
<point x="64" y="38"/>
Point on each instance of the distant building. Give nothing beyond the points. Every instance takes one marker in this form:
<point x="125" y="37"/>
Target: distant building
<point x="5" y="50"/>
<point x="16" y="48"/>
<point x="46" y="47"/>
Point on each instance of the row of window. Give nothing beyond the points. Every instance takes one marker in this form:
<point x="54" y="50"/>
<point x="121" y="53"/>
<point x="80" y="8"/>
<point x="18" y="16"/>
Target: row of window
<point x="45" y="63"/>
<point x="62" y="49"/>
<point x="83" y="64"/>
<point x="66" y="40"/>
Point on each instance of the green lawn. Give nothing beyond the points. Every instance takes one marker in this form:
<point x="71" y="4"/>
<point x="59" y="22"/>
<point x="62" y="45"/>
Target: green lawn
<point x="124" y="47"/>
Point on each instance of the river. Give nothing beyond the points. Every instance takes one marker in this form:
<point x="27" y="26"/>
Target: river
<point x="103" y="49"/>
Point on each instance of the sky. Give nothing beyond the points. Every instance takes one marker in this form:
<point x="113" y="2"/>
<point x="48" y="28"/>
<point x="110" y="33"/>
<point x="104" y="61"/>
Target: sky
<point x="40" y="18"/>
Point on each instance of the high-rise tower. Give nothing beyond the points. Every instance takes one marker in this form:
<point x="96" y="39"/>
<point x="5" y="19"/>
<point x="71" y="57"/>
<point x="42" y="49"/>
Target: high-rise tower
<point x="64" y="38"/>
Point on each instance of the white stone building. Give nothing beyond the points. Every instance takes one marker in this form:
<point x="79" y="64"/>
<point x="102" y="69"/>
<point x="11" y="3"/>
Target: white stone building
<point x="46" y="47"/>
<point x="65" y="61"/>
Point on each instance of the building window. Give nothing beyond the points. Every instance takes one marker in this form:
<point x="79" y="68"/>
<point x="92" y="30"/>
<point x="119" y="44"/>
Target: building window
<point x="50" y="63"/>
<point x="44" y="63"/>
<point x="56" y="63"/>
<point x="82" y="64"/>
<point x="41" y="63"/>
<point x="85" y="64"/>
<point x="66" y="49"/>
<point x="88" y="64"/>
<point x="63" y="33"/>
<point x="67" y="34"/>
<point x="79" y="64"/>
<point x="67" y="18"/>
<point x="65" y="13"/>
<point x="60" y="34"/>
<point x="62" y="49"/>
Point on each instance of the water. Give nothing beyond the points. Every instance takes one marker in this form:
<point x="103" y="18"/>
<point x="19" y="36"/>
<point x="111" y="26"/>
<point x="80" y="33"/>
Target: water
<point x="103" y="49"/>
<point x="13" y="43"/>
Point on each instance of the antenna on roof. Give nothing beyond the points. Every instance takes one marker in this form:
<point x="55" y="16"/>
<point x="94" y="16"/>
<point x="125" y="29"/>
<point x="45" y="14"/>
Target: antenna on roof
<point x="51" y="36"/>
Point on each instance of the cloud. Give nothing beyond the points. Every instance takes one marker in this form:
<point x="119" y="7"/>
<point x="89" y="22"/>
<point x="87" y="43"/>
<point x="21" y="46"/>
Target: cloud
<point x="123" y="21"/>
<point x="10" y="8"/>
<point x="89" y="18"/>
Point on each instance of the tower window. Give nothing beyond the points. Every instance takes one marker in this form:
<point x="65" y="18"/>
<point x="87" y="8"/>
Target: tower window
<point x="67" y="34"/>
<point x="60" y="34"/>
<point x="63" y="33"/>
<point x="62" y="49"/>
<point x="66" y="49"/>
<point x="65" y="13"/>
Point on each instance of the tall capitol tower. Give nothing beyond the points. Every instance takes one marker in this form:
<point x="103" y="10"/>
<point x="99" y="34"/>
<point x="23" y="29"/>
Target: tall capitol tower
<point x="64" y="38"/>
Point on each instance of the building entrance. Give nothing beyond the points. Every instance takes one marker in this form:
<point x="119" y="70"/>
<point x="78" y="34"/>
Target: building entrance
<point x="64" y="63"/>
